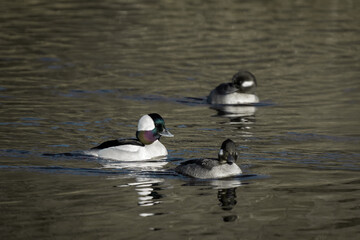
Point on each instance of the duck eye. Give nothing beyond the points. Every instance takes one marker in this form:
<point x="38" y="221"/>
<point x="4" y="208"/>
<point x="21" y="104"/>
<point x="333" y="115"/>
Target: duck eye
<point x="159" y="127"/>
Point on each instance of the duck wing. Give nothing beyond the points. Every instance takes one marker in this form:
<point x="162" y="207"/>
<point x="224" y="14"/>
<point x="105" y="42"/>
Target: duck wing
<point x="193" y="161"/>
<point x="207" y="163"/>
<point x="226" y="88"/>
<point x="118" y="142"/>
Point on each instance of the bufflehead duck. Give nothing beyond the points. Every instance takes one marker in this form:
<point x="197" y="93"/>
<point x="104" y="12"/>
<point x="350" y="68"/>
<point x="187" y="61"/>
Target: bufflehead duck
<point x="145" y="146"/>
<point x="236" y="92"/>
<point x="223" y="166"/>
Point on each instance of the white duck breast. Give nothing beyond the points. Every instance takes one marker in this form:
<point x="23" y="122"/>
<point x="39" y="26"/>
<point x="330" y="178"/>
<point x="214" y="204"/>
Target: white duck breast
<point x="234" y="98"/>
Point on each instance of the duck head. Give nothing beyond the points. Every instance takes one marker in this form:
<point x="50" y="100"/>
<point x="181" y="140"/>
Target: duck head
<point x="228" y="153"/>
<point x="150" y="128"/>
<point x="244" y="81"/>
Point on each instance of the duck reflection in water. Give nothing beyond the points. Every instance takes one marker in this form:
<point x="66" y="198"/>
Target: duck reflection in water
<point x="150" y="165"/>
<point x="227" y="199"/>
<point x="227" y="196"/>
<point x="226" y="193"/>
<point x="242" y="121"/>
<point x="148" y="191"/>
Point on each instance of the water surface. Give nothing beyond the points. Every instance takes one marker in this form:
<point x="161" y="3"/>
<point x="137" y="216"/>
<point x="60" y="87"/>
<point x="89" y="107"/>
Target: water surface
<point x="77" y="74"/>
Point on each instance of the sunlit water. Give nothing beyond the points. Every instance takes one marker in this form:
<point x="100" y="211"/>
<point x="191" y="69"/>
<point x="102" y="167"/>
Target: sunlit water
<point x="76" y="74"/>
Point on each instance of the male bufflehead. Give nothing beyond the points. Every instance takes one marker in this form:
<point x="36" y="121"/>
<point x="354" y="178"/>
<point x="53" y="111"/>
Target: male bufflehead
<point x="223" y="166"/>
<point x="145" y="146"/>
<point x="236" y="92"/>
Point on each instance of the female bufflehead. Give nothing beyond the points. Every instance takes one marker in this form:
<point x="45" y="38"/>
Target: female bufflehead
<point x="223" y="166"/>
<point x="145" y="146"/>
<point x="236" y="92"/>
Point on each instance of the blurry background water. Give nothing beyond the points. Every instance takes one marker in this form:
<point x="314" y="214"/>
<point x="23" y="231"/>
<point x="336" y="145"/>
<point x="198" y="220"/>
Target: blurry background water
<point x="77" y="73"/>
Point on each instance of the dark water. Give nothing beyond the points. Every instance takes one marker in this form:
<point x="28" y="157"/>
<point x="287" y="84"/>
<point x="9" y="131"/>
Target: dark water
<point x="74" y="74"/>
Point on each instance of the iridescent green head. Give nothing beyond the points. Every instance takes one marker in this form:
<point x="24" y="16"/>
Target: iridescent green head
<point x="151" y="127"/>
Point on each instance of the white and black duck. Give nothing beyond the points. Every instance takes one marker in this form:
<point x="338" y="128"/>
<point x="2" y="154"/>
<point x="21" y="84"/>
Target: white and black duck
<point x="145" y="146"/>
<point x="237" y="92"/>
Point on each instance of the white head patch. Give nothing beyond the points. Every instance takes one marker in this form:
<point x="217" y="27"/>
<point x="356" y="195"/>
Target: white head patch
<point x="221" y="152"/>
<point x="146" y="123"/>
<point x="247" y="84"/>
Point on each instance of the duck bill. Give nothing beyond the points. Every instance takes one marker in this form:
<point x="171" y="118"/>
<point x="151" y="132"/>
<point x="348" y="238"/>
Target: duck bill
<point x="166" y="133"/>
<point x="230" y="160"/>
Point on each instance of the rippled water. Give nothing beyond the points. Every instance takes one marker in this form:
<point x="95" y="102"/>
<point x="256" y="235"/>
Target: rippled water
<point x="74" y="74"/>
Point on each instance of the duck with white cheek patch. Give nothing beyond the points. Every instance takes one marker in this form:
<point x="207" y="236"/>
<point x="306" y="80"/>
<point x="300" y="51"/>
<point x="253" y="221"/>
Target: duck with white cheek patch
<point x="145" y="146"/>
<point x="236" y="92"/>
<point x="207" y="168"/>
